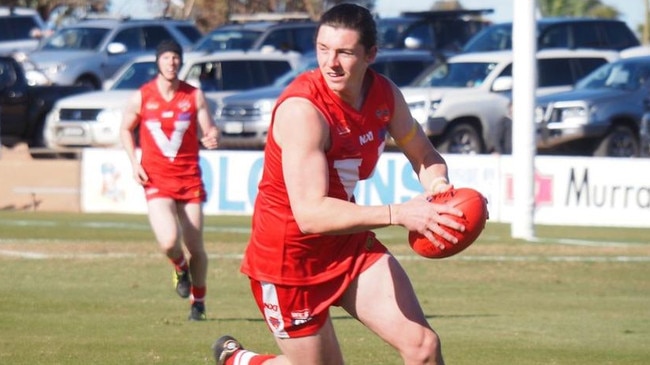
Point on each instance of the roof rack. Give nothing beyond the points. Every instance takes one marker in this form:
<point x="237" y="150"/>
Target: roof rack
<point x="105" y="16"/>
<point x="273" y="17"/>
<point x="447" y="13"/>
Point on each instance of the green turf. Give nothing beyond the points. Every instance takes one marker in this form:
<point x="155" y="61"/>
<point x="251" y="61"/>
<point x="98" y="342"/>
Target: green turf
<point x="93" y="289"/>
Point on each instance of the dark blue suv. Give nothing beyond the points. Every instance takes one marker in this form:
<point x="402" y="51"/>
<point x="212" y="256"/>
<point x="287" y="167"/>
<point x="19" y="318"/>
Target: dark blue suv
<point x="566" y="32"/>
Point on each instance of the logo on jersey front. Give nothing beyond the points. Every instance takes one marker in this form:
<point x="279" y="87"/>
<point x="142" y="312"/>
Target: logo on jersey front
<point x="151" y="105"/>
<point x="383" y="114"/>
<point x="184" y="105"/>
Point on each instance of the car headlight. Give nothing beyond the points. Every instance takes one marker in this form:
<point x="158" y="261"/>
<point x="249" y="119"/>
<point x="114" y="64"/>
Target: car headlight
<point x="574" y="115"/>
<point x="36" y="78"/>
<point x="54" y="69"/>
<point x="265" y="106"/>
<point x="110" y="116"/>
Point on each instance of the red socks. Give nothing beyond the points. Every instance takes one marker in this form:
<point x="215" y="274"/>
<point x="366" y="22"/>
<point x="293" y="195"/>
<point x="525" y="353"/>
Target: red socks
<point x="180" y="264"/>
<point x="245" y="357"/>
<point x="197" y="294"/>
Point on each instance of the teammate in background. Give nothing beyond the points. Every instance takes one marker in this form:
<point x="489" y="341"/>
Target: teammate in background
<point x="168" y="113"/>
<point x="311" y="245"/>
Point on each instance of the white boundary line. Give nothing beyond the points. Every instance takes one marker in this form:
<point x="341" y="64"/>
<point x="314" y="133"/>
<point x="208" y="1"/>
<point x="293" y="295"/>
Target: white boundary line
<point x="34" y="255"/>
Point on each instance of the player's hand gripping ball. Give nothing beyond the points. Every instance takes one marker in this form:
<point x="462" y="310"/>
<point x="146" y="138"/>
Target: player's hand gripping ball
<point x="475" y="213"/>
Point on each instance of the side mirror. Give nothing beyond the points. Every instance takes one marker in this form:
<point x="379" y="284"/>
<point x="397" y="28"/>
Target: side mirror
<point x="502" y="83"/>
<point x="412" y="43"/>
<point x="116" y="48"/>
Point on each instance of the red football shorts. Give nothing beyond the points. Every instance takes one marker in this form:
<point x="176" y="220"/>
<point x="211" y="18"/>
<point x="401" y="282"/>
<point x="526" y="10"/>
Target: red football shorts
<point x="299" y="311"/>
<point x="188" y="190"/>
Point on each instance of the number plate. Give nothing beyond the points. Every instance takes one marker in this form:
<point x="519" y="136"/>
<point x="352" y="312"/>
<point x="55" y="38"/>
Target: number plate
<point x="234" y="127"/>
<point x="71" y="132"/>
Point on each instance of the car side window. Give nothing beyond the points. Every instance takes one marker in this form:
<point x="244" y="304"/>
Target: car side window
<point x="585" y="65"/>
<point x="279" y="39"/>
<point x="16" y="28"/>
<point x="190" y="32"/>
<point x="132" y="38"/>
<point x="153" y="35"/>
<point x="507" y="71"/>
<point x="304" y="39"/>
<point x="400" y="72"/>
<point x="586" y="35"/>
<point x="555" y="37"/>
<point x="618" y="35"/>
<point x="554" y="72"/>
<point x="266" y="72"/>
<point x="422" y="33"/>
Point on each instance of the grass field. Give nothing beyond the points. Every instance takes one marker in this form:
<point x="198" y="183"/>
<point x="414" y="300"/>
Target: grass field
<point x="93" y="289"/>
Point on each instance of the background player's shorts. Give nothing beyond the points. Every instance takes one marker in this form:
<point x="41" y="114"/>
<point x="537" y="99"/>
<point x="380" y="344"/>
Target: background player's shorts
<point x="299" y="311"/>
<point x="190" y="190"/>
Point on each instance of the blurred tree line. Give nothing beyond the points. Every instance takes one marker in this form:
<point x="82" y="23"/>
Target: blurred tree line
<point x="207" y="13"/>
<point x="211" y="13"/>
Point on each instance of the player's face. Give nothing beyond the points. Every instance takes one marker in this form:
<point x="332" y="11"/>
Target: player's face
<point x="342" y="60"/>
<point x="168" y="64"/>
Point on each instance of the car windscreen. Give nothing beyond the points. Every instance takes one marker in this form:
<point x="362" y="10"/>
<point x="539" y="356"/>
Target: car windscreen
<point x="76" y="39"/>
<point x="493" y="38"/>
<point x="223" y="40"/>
<point x="457" y="74"/>
<point x="190" y="32"/>
<point x="136" y="75"/>
<point x="389" y="30"/>
<point x="618" y="75"/>
<point x="231" y="75"/>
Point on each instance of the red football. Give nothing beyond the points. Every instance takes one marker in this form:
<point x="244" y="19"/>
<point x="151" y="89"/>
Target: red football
<point x="475" y="214"/>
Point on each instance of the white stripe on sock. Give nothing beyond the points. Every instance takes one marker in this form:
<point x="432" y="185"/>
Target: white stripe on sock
<point x="243" y="357"/>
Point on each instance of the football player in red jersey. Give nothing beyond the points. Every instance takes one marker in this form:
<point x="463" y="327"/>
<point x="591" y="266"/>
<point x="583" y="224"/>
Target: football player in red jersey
<point x="311" y="245"/>
<point x="169" y="113"/>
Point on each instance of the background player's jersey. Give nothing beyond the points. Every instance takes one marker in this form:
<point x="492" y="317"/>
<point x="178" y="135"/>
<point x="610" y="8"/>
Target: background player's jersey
<point x="169" y="139"/>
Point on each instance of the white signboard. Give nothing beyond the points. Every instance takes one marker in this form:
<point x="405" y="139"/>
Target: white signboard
<point x="569" y="190"/>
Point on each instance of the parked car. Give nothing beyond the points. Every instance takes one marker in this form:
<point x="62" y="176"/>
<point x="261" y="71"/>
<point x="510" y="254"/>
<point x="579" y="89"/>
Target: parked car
<point x="91" y="51"/>
<point x="20" y="29"/>
<point x="644" y="134"/>
<point x="601" y="116"/>
<point x="23" y="107"/>
<point x="277" y="31"/>
<point x="244" y="117"/>
<point x="93" y="119"/>
<point x="564" y="32"/>
<point x="462" y="102"/>
<point x="444" y="31"/>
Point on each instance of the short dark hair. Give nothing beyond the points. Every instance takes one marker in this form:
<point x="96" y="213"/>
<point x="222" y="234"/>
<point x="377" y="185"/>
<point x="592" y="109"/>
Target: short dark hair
<point x="355" y="17"/>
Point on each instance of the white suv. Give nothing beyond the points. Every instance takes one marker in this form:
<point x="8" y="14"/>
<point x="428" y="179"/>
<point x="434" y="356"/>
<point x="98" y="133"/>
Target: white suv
<point x="461" y="102"/>
<point x="91" y="51"/>
<point x="92" y="119"/>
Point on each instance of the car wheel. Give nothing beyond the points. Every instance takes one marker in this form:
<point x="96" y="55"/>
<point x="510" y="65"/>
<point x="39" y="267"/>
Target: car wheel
<point x="88" y="82"/>
<point x="621" y="141"/>
<point x="461" y="138"/>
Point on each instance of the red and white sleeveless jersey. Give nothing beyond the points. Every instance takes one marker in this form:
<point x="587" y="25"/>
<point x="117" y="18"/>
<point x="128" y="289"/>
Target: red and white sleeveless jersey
<point x="278" y="251"/>
<point x="168" y="132"/>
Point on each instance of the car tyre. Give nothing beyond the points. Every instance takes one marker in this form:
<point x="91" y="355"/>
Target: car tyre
<point x="621" y="141"/>
<point x="461" y="138"/>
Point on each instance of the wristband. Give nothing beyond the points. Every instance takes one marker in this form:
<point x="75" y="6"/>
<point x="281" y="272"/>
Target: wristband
<point x="437" y="181"/>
